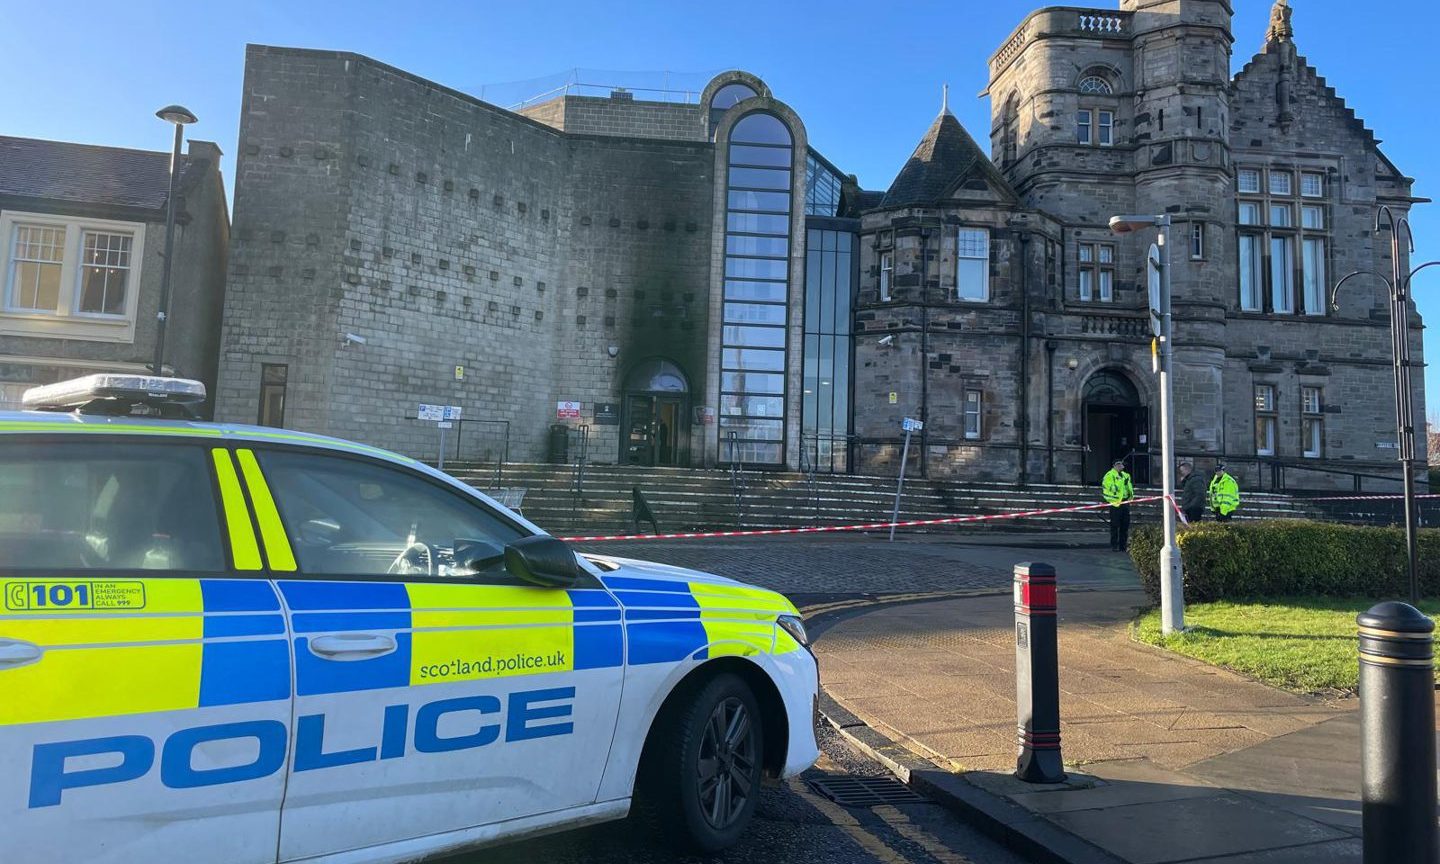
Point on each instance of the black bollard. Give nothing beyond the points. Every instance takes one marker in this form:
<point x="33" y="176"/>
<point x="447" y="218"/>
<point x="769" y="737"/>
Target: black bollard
<point x="1397" y="723"/>
<point x="1037" y="675"/>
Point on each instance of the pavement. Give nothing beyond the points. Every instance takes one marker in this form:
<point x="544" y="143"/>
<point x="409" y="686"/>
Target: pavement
<point x="1169" y="759"/>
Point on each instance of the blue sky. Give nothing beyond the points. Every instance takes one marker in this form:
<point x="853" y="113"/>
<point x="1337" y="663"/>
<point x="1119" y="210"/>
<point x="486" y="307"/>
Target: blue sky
<point x="865" y="77"/>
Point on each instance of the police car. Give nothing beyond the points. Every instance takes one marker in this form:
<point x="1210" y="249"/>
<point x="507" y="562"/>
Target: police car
<point x="238" y="644"/>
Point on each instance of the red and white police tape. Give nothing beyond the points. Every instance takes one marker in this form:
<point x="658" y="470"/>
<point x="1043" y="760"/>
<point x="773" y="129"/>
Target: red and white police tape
<point x="867" y="526"/>
<point x="1394" y="497"/>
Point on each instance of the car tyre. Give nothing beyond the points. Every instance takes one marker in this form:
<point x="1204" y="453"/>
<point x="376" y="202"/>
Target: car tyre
<point x="702" y="773"/>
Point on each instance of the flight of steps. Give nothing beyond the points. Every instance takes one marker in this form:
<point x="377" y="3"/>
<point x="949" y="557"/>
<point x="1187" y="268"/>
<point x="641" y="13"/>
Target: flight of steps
<point x="686" y="499"/>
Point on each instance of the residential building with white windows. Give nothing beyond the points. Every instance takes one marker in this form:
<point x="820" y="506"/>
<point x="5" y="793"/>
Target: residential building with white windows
<point x="82" y="239"/>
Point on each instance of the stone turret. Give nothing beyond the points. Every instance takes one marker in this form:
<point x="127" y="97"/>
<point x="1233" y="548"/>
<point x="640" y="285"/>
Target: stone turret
<point x="1182" y="167"/>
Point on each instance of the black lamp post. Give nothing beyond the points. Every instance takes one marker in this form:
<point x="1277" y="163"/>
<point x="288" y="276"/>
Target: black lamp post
<point x="1399" y="285"/>
<point x="180" y="117"/>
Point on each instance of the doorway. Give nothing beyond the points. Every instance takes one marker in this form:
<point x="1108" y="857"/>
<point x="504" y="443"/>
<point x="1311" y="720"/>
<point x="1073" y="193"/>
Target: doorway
<point x="655" y="426"/>
<point x="1115" y="426"/>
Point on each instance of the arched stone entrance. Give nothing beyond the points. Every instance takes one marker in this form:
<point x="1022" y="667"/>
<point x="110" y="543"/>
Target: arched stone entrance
<point x="1115" y="425"/>
<point x="655" y="428"/>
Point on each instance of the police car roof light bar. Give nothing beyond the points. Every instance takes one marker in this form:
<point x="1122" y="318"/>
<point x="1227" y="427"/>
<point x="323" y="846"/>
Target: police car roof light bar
<point x="116" y="394"/>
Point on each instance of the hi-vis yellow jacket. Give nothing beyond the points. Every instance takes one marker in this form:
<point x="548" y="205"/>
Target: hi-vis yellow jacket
<point x="1224" y="494"/>
<point x="1117" y="488"/>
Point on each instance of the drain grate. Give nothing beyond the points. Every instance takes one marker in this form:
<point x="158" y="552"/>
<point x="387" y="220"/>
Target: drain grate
<point x="850" y="791"/>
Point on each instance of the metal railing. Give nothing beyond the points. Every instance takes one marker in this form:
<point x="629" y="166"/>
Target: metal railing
<point x="737" y="479"/>
<point x="479" y="441"/>
<point x="581" y="450"/>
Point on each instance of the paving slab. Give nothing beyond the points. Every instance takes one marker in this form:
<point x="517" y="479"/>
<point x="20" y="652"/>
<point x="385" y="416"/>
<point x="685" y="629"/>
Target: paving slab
<point x="1170" y="830"/>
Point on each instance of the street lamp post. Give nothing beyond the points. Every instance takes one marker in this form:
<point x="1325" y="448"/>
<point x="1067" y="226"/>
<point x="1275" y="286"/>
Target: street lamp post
<point x="1172" y="593"/>
<point x="181" y="118"/>
<point x="1399" y="285"/>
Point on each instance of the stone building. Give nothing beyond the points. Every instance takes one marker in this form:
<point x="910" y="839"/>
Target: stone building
<point x="82" y="239"/>
<point x="1019" y="320"/>
<point x="694" y="283"/>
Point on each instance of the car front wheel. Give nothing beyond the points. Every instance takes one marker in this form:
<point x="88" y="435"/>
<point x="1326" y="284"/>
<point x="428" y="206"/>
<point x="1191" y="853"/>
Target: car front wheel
<point x="704" y="774"/>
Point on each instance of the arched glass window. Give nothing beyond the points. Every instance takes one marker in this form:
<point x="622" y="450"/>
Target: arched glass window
<point x="1109" y="387"/>
<point x="730" y="95"/>
<point x="759" y="182"/>
<point x="725" y="98"/>
<point x="1095" y="84"/>
<point x="656" y="375"/>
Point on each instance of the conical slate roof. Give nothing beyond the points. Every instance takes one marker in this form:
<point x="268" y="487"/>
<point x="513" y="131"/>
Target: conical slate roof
<point x="945" y="155"/>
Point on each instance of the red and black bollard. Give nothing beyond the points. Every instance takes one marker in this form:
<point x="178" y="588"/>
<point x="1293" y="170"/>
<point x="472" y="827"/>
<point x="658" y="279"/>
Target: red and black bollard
<point x="1037" y="675"/>
<point x="1397" y="735"/>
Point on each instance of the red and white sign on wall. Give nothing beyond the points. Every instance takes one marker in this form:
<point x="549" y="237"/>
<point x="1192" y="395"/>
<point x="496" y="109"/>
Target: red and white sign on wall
<point x="567" y="410"/>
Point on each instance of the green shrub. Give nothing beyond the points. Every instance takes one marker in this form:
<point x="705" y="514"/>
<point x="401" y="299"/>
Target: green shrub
<point x="1282" y="558"/>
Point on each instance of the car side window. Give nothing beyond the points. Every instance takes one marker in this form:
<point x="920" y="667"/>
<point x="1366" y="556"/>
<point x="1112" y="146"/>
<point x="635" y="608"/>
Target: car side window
<point x="350" y="517"/>
<point x="87" y="505"/>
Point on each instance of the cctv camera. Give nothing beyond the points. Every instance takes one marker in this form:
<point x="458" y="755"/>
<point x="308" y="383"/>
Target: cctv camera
<point x="886" y="341"/>
<point x="351" y="337"/>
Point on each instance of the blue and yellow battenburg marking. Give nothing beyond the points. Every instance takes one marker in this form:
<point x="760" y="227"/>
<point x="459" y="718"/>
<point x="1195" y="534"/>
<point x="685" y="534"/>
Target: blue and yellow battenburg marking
<point x="451" y="632"/>
<point x="668" y="621"/>
<point x="133" y="646"/>
<point x="141" y="645"/>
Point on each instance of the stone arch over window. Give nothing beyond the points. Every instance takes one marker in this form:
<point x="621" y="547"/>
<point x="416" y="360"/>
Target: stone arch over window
<point x="727" y="90"/>
<point x="1010" y="130"/>
<point x="1098" y="81"/>
<point x="1111" y="386"/>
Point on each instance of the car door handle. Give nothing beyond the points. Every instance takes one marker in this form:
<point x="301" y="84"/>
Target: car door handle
<point x="352" y="646"/>
<point x="16" y="653"/>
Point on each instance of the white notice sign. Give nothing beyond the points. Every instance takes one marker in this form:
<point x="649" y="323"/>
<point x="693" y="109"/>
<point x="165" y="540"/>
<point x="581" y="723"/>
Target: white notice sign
<point x="430" y="412"/>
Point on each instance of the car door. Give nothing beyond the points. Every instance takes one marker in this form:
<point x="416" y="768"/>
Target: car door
<point x="431" y="699"/>
<point x="144" y="663"/>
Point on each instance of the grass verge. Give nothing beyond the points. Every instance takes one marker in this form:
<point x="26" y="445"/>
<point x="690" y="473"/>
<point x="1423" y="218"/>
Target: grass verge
<point x="1302" y="644"/>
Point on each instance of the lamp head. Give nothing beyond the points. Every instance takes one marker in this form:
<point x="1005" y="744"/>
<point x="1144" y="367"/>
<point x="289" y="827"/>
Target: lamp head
<point x="1127" y="224"/>
<point x="177" y="114"/>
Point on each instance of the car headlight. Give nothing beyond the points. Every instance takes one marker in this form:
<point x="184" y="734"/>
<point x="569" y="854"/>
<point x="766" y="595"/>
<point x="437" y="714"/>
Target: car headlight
<point x="795" y="627"/>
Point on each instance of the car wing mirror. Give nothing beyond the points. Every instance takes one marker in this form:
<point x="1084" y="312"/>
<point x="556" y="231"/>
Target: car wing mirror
<point x="542" y="560"/>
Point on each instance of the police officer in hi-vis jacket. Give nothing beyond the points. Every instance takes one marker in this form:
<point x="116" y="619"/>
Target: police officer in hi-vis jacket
<point x="1119" y="491"/>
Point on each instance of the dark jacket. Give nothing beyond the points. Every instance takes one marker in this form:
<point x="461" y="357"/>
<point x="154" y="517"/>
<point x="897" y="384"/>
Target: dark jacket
<point x="1192" y="492"/>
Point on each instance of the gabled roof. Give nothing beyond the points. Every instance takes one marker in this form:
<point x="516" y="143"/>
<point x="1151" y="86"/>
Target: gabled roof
<point x="945" y="157"/>
<point x="85" y="173"/>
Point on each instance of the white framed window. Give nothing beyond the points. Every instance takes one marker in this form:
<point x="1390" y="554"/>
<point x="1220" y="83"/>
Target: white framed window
<point x="1082" y="128"/>
<point x="887" y="270"/>
<point x="1105" y="125"/>
<point x="1312" y="217"/>
<point x="66" y="277"/>
<point x="1248" y="181"/>
<point x="104" y="272"/>
<point x="972" y="264"/>
<point x="1264" y="420"/>
<point x="1251" y="277"/>
<point x="1281" y="182"/>
<point x="1312" y="266"/>
<point x="1312" y="423"/>
<point x="1094" y="84"/>
<point x="1281" y="216"/>
<point x="1249" y="213"/>
<point x="1097" y="272"/>
<point x="1312" y="185"/>
<point x="1282" y="275"/>
<point x="972" y="414"/>
<point x="36" y="260"/>
<point x="1197" y="241"/>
